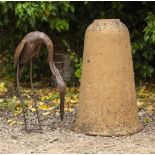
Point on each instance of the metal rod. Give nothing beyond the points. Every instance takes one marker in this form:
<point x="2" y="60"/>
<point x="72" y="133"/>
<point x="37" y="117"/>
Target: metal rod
<point x="31" y="82"/>
<point x="20" y="96"/>
<point x="34" y="96"/>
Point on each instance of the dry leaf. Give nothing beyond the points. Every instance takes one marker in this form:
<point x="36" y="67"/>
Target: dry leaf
<point x="140" y="104"/>
<point x="11" y="122"/>
<point x="43" y="107"/>
<point x="46" y="113"/>
<point x="150" y="108"/>
<point x="32" y="109"/>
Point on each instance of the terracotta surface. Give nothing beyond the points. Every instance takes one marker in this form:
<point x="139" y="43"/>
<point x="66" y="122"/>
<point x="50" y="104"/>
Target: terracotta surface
<point x="107" y="95"/>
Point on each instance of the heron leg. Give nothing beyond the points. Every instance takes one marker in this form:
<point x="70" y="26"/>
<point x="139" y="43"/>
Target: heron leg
<point x="31" y="82"/>
<point x="20" y="72"/>
<point x="61" y="86"/>
<point x="35" y="98"/>
<point x="37" y="113"/>
<point x="20" y="96"/>
<point x="62" y="100"/>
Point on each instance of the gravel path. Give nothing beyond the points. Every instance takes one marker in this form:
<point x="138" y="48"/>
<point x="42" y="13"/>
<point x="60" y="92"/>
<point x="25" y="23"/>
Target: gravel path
<point x="57" y="137"/>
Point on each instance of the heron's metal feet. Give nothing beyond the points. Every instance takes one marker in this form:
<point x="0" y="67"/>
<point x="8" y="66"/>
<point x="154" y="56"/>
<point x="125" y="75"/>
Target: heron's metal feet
<point x="24" y="111"/>
<point x="37" y="113"/>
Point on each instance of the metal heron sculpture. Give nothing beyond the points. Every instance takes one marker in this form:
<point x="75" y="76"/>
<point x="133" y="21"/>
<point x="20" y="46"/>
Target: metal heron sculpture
<point x="25" y="52"/>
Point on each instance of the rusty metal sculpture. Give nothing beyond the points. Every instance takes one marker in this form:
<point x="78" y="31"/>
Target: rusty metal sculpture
<point x="25" y="52"/>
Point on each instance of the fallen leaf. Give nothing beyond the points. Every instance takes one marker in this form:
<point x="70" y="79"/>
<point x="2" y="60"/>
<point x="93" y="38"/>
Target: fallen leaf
<point x="41" y="103"/>
<point x="1" y="100"/>
<point x="140" y="104"/>
<point x="150" y="109"/>
<point x="11" y="122"/>
<point x="46" y="113"/>
<point x="32" y="109"/>
<point x="43" y="107"/>
<point x="146" y="120"/>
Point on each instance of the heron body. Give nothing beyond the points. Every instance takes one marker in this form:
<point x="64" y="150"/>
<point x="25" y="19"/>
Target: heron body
<point x="28" y="49"/>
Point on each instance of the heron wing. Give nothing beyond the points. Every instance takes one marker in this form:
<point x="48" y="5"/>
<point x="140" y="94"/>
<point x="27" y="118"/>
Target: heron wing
<point x="18" y="51"/>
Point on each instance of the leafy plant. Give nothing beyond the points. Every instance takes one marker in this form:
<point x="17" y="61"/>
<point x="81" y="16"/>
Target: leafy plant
<point x="68" y="21"/>
<point x="19" y="18"/>
<point x="144" y="50"/>
<point x="77" y="61"/>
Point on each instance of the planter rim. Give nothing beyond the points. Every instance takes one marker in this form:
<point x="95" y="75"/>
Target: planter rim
<point x="103" y="20"/>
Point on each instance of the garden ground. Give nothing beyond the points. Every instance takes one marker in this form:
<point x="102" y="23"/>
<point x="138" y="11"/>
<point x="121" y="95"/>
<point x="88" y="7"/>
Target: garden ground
<point x="58" y="137"/>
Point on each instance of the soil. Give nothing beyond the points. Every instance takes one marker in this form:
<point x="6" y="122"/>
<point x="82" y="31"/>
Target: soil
<point x="57" y="137"/>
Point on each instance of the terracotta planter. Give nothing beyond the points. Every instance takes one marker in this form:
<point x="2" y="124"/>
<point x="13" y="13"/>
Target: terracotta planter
<point x="107" y="103"/>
